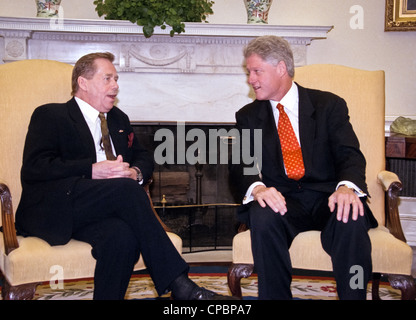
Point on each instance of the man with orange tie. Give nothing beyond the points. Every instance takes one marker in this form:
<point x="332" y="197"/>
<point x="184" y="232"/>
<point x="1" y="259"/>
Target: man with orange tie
<point x="311" y="177"/>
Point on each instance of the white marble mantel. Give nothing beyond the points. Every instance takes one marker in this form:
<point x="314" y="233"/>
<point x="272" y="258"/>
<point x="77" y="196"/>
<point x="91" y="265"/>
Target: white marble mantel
<point x="197" y="76"/>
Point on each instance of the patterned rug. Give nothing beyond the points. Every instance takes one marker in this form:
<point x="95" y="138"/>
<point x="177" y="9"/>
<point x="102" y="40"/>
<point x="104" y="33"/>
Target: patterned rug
<point x="141" y="287"/>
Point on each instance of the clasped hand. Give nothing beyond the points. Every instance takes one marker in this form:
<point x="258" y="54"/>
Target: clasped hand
<point x="109" y="169"/>
<point x="344" y="199"/>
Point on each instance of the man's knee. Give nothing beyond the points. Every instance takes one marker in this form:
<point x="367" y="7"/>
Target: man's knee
<point x="116" y="238"/>
<point x="346" y="236"/>
<point x="127" y="185"/>
<point x="267" y="224"/>
<point x="129" y="190"/>
<point x="351" y="227"/>
<point x="263" y="217"/>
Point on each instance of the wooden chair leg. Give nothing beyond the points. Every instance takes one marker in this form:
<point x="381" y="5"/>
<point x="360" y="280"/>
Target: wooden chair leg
<point x="20" y="292"/>
<point x="375" y="286"/>
<point x="404" y="283"/>
<point x="235" y="273"/>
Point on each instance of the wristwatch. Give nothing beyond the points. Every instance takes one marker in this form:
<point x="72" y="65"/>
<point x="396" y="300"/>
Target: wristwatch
<point x="139" y="174"/>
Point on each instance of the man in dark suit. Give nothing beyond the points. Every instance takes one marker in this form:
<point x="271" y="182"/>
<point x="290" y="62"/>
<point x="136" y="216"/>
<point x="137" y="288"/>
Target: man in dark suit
<point x="72" y="190"/>
<point x="328" y="191"/>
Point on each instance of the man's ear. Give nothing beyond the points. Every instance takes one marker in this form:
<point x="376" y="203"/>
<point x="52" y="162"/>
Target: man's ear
<point x="281" y="68"/>
<point x="82" y="83"/>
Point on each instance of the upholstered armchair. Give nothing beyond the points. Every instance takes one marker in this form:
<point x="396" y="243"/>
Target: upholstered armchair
<point x="26" y="262"/>
<point x="364" y="92"/>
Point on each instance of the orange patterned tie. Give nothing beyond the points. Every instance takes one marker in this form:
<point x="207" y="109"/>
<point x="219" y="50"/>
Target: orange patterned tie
<point x="292" y="153"/>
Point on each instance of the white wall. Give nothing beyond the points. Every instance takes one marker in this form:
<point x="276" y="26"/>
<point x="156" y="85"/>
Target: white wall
<point x="368" y="48"/>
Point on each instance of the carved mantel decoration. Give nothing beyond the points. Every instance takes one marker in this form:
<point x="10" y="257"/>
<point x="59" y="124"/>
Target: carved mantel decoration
<point x="195" y="76"/>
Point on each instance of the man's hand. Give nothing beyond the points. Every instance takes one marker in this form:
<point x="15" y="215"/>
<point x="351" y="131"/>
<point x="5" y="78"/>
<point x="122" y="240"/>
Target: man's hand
<point x="345" y="199"/>
<point x="113" y="169"/>
<point x="271" y="197"/>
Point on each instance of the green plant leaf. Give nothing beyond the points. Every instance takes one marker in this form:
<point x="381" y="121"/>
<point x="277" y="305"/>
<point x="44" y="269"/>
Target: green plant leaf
<point x="152" y="13"/>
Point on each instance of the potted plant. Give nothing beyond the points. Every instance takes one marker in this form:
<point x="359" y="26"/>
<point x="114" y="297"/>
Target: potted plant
<point x="152" y="13"/>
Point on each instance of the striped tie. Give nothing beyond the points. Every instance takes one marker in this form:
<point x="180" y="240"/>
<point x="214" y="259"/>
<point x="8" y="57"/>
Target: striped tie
<point x="105" y="137"/>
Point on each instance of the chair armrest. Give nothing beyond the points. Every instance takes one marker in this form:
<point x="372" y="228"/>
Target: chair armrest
<point x="9" y="230"/>
<point x="392" y="186"/>
<point x="242" y="227"/>
<point x="387" y="178"/>
<point x="146" y="188"/>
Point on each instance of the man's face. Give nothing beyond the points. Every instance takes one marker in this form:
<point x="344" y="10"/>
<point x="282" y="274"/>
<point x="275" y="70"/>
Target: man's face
<point x="266" y="80"/>
<point x="101" y="90"/>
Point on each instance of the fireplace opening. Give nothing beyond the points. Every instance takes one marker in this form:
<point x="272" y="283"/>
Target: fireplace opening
<point x="196" y="200"/>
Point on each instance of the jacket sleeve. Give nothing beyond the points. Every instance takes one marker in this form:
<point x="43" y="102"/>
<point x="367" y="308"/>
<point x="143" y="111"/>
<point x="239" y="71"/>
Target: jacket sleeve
<point x="349" y="161"/>
<point x="142" y="159"/>
<point x="244" y="173"/>
<point x="44" y="159"/>
<point x="128" y="145"/>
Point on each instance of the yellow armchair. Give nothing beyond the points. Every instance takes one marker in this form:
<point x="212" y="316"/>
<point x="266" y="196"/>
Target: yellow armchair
<point x="26" y="262"/>
<point x="365" y="93"/>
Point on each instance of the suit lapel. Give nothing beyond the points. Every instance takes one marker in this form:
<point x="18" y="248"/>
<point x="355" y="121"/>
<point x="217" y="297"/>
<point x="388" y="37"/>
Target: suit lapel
<point x="307" y="126"/>
<point x="117" y="132"/>
<point x="271" y="143"/>
<point x="81" y="127"/>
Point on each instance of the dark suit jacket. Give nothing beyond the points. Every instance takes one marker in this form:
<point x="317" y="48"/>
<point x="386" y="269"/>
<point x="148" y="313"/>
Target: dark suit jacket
<point x="59" y="150"/>
<point x="330" y="147"/>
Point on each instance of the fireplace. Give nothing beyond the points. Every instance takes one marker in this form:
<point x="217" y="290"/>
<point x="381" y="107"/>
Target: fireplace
<point x="184" y="182"/>
<point x="197" y="201"/>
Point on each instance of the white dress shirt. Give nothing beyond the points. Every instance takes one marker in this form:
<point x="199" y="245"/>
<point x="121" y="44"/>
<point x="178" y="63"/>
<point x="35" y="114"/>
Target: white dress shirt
<point x="290" y="102"/>
<point x="94" y="124"/>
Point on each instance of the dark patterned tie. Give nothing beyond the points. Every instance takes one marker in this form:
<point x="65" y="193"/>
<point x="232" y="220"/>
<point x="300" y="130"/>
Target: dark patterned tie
<point x="105" y="137"/>
<point x="292" y="153"/>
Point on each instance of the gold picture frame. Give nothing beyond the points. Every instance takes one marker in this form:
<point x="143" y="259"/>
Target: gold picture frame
<point x="400" y="15"/>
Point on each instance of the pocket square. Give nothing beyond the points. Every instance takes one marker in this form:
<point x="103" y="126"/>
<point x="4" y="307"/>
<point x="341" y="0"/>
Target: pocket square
<point x="130" y="139"/>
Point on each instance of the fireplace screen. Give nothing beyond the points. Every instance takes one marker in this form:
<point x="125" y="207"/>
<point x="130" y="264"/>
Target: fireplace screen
<point x="195" y="200"/>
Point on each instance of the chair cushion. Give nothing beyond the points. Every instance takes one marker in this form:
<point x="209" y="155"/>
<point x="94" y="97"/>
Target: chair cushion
<point x="389" y="255"/>
<point x="33" y="260"/>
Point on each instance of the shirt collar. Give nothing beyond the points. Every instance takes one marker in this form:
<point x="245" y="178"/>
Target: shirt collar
<point x="90" y="114"/>
<point x="290" y="100"/>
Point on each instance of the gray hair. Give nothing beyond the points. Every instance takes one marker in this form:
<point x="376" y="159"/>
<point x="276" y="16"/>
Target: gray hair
<point x="272" y="49"/>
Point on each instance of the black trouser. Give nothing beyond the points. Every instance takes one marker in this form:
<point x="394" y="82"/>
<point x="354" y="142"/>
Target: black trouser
<point x="348" y="244"/>
<point x="115" y="217"/>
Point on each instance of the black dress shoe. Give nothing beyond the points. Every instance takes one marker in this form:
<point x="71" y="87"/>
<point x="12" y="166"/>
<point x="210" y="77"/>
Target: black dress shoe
<point x="185" y="289"/>
<point x="200" y="293"/>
